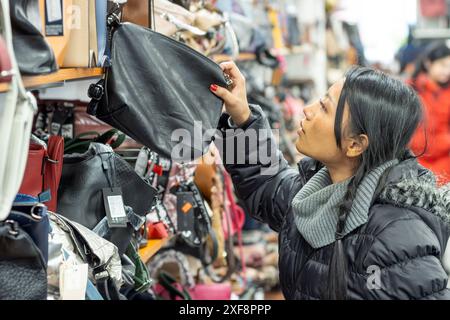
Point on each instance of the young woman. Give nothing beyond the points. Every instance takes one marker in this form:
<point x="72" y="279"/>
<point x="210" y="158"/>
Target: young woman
<point x="361" y="219"/>
<point x="432" y="82"/>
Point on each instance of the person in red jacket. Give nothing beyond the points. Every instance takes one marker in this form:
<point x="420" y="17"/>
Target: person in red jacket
<point x="432" y="82"/>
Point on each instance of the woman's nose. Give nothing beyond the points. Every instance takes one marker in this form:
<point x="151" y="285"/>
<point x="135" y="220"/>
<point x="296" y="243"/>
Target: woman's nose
<point x="308" y="111"/>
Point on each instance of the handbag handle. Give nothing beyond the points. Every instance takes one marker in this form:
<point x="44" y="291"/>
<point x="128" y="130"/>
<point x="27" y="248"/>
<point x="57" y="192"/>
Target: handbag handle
<point x="104" y="138"/>
<point x="151" y="14"/>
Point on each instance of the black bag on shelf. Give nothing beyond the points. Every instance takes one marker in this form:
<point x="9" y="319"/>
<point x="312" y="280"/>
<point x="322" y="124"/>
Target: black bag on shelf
<point x="155" y="86"/>
<point x="23" y="273"/>
<point x="34" y="55"/>
<point x="85" y="177"/>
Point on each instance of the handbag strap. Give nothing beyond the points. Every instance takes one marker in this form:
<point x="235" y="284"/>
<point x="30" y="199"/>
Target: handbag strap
<point x="108" y="166"/>
<point x="238" y="214"/>
<point x="97" y="91"/>
<point x="167" y="282"/>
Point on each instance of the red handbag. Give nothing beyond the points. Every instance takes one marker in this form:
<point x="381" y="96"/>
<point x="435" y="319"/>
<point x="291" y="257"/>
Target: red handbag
<point x="5" y="62"/>
<point x="43" y="171"/>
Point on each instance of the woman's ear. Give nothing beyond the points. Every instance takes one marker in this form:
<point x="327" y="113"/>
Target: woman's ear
<point x="357" y="145"/>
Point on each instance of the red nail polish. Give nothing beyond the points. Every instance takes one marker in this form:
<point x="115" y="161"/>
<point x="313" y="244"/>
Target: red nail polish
<point x="213" y="87"/>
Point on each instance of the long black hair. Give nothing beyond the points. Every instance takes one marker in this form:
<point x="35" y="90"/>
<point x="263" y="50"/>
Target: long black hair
<point x="388" y="112"/>
<point x="434" y="51"/>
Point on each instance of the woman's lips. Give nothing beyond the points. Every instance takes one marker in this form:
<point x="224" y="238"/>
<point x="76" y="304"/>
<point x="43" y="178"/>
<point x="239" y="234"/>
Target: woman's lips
<point x="301" y="130"/>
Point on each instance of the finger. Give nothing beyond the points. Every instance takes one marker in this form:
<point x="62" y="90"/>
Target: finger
<point x="232" y="70"/>
<point x="222" y="93"/>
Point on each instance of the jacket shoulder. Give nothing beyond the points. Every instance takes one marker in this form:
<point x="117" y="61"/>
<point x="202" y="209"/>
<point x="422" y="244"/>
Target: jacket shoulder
<point x="400" y="234"/>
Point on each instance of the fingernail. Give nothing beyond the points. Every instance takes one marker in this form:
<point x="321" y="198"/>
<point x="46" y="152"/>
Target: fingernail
<point x="213" y="87"/>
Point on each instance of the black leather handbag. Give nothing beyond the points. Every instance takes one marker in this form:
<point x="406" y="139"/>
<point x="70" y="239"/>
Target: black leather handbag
<point x="81" y="191"/>
<point x="22" y="268"/>
<point x="34" y="55"/>
<point x="155" y="86"/>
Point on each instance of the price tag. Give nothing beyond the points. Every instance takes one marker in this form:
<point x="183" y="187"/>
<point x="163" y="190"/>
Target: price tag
<point x="115" y="210"/>
<point x="73" y="280"/>
<point x="54" y="18"/>
<point x="185" y="216"/>
<point x="54" y="10"/>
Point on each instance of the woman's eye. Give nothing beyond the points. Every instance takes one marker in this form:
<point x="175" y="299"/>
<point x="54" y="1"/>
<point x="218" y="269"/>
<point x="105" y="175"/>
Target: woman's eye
<point x="323" y="105"/>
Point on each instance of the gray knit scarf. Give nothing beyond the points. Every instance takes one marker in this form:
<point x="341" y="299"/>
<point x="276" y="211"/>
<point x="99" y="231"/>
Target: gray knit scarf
<point x="316" y="205"/>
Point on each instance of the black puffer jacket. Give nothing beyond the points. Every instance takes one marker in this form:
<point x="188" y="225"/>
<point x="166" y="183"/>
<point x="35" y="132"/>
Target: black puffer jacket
<point x="397" y="254"/>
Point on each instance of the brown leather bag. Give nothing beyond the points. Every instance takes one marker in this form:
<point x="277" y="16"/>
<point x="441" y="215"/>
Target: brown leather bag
<point x="210" y="185"/>
<point x="84" y="123"/>
<point x="137" y="12"/>
<point x="206" y="175"/>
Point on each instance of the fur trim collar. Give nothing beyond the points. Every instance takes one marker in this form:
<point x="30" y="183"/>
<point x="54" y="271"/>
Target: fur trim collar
<point x="419" y="190"/>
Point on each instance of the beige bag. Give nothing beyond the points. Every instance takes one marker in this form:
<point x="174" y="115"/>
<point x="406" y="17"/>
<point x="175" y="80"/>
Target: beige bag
<point x="205" y="19"/>
<point x="82" y="46"/>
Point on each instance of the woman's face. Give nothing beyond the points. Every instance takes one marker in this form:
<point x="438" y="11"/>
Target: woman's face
<point x="439" y="70"/>
<point x="316" y="138"/>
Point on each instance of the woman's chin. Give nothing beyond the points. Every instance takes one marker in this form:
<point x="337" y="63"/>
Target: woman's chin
<point x="299" y="147"/>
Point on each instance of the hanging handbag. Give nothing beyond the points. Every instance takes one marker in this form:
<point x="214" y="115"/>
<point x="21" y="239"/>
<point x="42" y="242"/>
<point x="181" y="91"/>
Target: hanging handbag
<point x="28" y="40"/>
<point x="86" y="184"/>
<point x="137" y="95"/>
<point x="16" y="122"/>
<point x="43" y="171"/>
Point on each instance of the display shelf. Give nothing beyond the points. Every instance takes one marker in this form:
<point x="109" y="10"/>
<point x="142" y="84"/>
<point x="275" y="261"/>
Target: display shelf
<point x="63" y="74"/>
<point x="242" y="57"/>
<point x="151" y="248"/>
<point x="73" y="74"/>
<point x="305" y="48"/>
